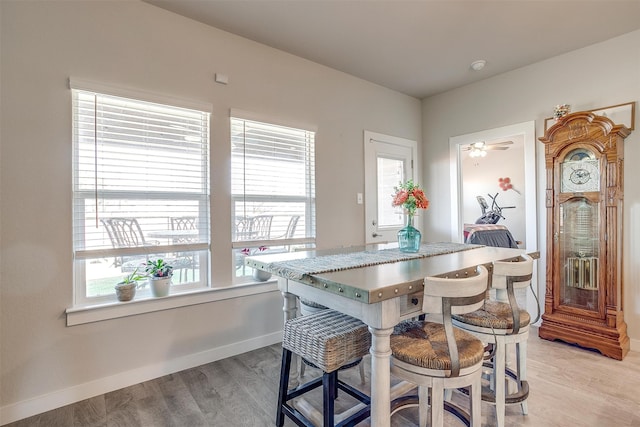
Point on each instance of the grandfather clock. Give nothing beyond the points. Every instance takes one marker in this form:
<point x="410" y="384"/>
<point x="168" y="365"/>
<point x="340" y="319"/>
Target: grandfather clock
<point x="584" y="296"/>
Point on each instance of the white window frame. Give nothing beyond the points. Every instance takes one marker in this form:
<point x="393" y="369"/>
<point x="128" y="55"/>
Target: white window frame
<point x="201" y="248"/>
<point x="301" y="239"/>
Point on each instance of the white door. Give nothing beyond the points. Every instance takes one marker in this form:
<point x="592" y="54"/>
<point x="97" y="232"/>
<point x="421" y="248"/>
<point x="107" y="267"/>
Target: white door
<point x="389" y="160"/>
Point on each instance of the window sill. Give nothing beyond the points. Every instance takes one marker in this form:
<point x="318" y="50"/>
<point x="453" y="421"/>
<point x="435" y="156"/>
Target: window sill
<point x="115" y="310"/>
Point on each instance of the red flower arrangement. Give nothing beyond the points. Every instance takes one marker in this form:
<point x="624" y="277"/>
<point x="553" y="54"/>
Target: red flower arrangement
<point x="411" y="197"/>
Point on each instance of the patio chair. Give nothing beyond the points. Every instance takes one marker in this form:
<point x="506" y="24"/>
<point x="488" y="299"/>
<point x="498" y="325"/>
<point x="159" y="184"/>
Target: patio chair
<point x="183" y="223"/>
<point x="126" y="233"/>
<point x="250" y="228"/>
<point x="288" y="234"/>
<point x="185" y="261"/>
<point x="242" y="228"/>
<point x="260" y="227"/>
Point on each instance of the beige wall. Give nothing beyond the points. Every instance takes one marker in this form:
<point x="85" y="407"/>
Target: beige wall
<point x="597" y="76"/>
<point x="45" y="364"/>
<point x="132" y="44"/>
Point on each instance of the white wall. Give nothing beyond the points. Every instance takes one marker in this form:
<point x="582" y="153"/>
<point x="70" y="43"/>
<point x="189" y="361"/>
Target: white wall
<point x="43" y="363"/>
<point x="597" y="76"/>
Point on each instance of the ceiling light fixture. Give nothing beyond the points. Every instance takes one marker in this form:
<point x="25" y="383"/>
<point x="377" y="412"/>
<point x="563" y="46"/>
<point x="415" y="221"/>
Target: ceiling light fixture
<point x="475" y="152"/>
<point x="478" y="65"/>
<point x="477" y="149"/>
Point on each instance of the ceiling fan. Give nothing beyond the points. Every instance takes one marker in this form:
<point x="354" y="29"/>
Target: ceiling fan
<point x="479" y="149"/>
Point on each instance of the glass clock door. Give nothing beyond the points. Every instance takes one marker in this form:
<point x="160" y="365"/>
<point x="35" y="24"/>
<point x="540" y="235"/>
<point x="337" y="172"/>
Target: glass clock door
<point x="579" y="252"/>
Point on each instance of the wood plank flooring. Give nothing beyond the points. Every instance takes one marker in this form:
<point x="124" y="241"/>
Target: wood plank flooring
<point x="569" y="386"/>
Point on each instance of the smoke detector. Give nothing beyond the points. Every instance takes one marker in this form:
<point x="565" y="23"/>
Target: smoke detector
<point x="478" y="65"/>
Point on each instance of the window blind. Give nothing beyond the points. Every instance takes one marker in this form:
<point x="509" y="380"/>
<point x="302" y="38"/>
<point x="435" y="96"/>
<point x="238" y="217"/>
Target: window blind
<point x="272" y="174"/>
<point x="137" y="160"/>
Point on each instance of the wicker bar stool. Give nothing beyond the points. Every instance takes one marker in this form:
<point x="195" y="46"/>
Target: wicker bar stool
<point x="503" y="324"/>
<point x="308" y="307"/>
<point x="437" y="356"/>
<point x="329" y="340"/>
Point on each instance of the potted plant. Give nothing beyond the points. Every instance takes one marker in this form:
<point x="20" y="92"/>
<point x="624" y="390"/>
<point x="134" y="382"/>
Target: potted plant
<point x="159" y="273"/>
<point x="126" y="289"/>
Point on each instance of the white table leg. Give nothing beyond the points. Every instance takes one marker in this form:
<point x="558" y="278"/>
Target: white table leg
<point x="290" y="310"/>
<point x="290" y="307"/>
<point x="380" y="377"/>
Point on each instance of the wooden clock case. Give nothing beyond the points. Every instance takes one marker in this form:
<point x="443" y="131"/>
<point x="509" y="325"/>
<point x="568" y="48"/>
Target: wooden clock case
<point x="584" y="292"/>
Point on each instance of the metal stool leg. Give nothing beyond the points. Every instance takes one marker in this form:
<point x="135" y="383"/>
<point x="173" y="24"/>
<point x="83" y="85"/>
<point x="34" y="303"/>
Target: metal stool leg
<point x="284" y="385"/>
<point x="329" y="386"/>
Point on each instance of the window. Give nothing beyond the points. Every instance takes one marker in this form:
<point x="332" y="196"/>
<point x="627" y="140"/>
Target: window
<point x="140" y="192"/>
<point x="272" y="188"/>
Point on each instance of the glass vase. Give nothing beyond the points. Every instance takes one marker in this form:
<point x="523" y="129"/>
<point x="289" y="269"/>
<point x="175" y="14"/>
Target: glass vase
<point x="409" y="237"/>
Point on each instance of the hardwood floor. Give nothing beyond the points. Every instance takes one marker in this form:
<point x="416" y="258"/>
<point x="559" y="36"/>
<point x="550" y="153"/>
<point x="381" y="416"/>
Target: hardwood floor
<point x="569" y="387"/>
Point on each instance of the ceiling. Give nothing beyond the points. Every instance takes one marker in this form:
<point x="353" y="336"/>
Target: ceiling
<point x="420" y="47"/>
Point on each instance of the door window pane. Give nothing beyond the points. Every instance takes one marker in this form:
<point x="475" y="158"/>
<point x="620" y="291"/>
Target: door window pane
<point x="390" y="174"/>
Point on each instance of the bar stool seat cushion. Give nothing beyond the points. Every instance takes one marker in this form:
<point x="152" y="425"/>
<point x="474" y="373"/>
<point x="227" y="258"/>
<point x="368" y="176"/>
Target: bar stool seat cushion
<point x="328" y="339"/>
<point x="495" y="315"/>
<point x="424" y="344"/>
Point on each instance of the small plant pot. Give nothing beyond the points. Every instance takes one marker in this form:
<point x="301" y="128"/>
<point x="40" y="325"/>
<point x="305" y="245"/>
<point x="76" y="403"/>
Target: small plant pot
<point x="126" y="291"/>
<point x="160" y="286"/>
<point x="260" y="275"/>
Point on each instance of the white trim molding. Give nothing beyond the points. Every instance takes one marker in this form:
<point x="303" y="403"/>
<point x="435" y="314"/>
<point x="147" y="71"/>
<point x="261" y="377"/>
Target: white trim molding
<point x="114" y="310"/>
<point x="125" y="92"/>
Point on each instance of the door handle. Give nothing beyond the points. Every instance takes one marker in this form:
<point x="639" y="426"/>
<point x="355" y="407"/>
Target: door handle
<point x="375" y="235"/>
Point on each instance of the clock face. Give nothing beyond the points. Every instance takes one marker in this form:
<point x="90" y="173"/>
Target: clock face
<point x="580" y="172"/>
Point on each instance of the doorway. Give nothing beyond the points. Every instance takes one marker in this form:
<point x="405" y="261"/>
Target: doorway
<point x="484" y="176"/>
<point x="481" y="175"/>
<point x="389" y="160"/>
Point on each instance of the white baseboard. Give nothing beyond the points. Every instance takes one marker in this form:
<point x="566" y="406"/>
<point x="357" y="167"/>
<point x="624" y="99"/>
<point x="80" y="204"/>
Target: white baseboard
<point x="27" y="408"/>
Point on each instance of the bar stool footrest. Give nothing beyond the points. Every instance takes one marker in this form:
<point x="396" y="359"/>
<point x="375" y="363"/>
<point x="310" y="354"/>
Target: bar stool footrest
<point x="303" y="388"/>
<point x="519" y="396"/>
<point x="300" y="419"/>
<point x="407" y="401"/>
<point x="341" y="368"/>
